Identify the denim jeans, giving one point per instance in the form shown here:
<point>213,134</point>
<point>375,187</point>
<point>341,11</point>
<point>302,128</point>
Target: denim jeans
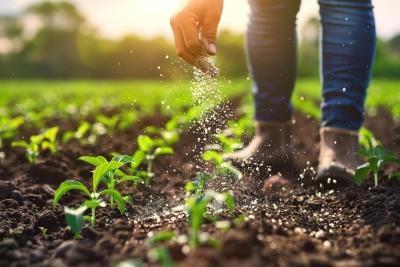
<point>347,48</point>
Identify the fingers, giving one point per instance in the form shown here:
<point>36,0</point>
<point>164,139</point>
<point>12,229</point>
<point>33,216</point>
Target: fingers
<point>209,34</point>
<point>181,49</point>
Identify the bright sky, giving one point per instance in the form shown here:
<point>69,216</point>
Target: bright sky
<point>150,18</point>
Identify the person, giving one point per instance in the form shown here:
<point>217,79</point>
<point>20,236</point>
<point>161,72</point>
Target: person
<point>347,48</point>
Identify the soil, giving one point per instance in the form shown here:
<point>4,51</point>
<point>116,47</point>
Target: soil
<point>301,225</point>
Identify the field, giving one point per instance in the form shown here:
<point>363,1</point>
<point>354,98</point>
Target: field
<point>191,208</point>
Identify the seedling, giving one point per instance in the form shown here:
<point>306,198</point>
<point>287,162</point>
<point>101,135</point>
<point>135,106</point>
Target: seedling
<point>127,119</point>
<point>149,152</point>
<point>161,255</point>
<point>8,127</point>
<point>241,127</point>
<point>50,141</point>
<point>98,174</point>
<point>79,134</point>
<point>222,168</point>
<point>32,148</point>
<point>376,156</point>
<point>44,231</point>
<point>167,137</point>
<point>196,206</point>
<point>366,138</point>
<point>110,178</point>
<point>110,123</point>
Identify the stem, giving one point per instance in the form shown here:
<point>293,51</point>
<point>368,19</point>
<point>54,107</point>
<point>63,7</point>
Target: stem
<point>149,173</point>
<point>112,202</point>
<point>93,216</point>
<point>376,178</point>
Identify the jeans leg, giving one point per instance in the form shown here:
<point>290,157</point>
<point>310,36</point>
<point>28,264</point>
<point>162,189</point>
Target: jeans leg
<point>347,48</point>
<point>271,57</point>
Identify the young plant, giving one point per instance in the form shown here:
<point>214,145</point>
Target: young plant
<point>196,206</point>
<point>79,134</point>
<point>75,217</point>
<point>110,178</point>
<point>98,174</point>
<point>148,151</point>
<point>32,148</point>
<point>376,156</point>
<point>8,127</point>
<point>50,141</point>
<point>44,231</point>
<point>222,168</point>
<point>110,123</point>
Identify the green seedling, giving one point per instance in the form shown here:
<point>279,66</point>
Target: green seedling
<point>9,127</point>
<point>148,151</point>
<point>196,206</point>
<point>32,148</point>
<point>127,120</point>
<point>222,168</point>
<point>98,174</point>
<point>167,137</point>
<point>199,183</point>
<point>366,138</point>
<point>79,134</point>
<point>44,231</point>
<point>376,156</point>
<point>75,217</point>
<point>244,126</point>
<point>110,123</point>
<point>110,178</point>
<point>50,141</point>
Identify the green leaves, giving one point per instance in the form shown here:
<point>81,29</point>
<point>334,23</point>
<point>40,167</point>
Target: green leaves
<point>213,155</point>
<point>117,196</point>
<point>138,157</point>
<point>102,170</point>
<point>163,150</point>
<point>65,187</point>
<point>131,178</point>
<point>74,218</point>
<point>145,143</point>
<point>376,156</point>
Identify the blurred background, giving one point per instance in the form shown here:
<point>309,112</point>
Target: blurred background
<point>131,39</point>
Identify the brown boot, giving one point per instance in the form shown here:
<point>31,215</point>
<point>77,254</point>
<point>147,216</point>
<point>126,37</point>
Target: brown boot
<point>270,145</point>
<point>337,162</point>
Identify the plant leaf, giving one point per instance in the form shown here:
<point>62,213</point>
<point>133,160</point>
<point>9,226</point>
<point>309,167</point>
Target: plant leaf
<point>92,160</point>
<point>145,143</point>
<point>120,173</point>
<point>163,150</point>
<point>102,159</point>
<point>138,157</point>
<point>128,199</point>
<point>361,173</point>
<point>392,159</point>
<point>189,187</point>
<point>74,218</point>
<point>20,143</point>
<point>363,152</point>
<point>123,158</point>
<point>117,196</point>
<point>131,178</point>
<point>229,201</point>
<point>101,170</point>
<point>374,164</point>
<point>213,155</point>
<point>66,186</point>
<point>92,203</point>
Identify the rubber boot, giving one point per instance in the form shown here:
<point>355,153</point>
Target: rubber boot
<point>270,145</point>
<point>337,161</point>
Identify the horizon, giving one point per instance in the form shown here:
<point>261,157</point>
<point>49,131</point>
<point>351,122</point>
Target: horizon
<point>114,21</point>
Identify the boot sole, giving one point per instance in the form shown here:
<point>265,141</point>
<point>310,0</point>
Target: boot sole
<point>334,176</point>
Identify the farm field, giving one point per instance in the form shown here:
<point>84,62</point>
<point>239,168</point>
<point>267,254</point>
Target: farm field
<point>172,158</point>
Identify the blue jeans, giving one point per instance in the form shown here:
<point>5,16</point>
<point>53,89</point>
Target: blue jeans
<point>347,49</point>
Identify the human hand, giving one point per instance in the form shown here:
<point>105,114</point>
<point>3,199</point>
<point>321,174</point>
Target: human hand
<point>186,22</point>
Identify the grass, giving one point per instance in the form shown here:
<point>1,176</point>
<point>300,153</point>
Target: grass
<point>149,93</point>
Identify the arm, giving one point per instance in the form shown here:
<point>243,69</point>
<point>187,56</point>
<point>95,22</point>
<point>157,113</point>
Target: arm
<point>186,22</point>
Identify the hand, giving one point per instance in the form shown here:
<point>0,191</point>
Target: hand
<point>186,22</point>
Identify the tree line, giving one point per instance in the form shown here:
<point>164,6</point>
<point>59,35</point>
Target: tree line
<point>65,47</point>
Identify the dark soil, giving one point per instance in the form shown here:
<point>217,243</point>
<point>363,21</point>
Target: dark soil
<point>296,226</point>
